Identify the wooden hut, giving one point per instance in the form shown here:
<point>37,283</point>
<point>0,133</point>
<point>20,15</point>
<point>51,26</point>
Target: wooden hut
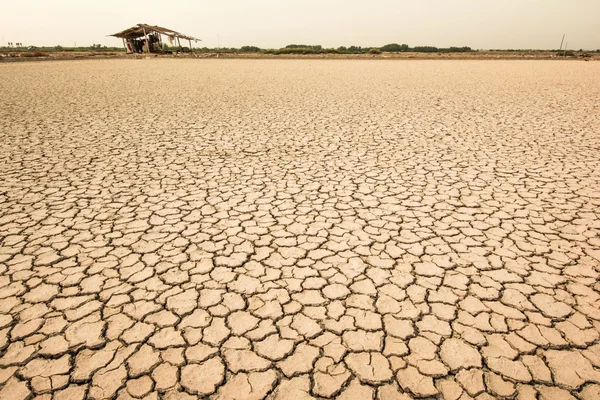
<point>144,38</point>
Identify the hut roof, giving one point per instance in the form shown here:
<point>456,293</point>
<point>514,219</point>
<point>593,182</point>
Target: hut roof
<point>138,31</point>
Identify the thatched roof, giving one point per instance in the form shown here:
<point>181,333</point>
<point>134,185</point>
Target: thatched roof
<point>138,31</point>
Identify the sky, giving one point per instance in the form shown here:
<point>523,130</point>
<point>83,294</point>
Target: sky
<point>480,24</point>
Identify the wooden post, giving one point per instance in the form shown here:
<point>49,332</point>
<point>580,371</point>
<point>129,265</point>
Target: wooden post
<point>147,42</point>
<point>190,41</point>
<point>561,42</point>
<point>125,45</point>
<point>178,43</point>
<point>565,53</point>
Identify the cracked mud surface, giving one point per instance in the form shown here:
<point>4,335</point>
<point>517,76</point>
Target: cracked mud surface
<point>174,229</point>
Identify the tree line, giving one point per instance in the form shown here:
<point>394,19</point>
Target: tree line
<point>294,49</point>
<point>318,49</point>
<point>289,49</point>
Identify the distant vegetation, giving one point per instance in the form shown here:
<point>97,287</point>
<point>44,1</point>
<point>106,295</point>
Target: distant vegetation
<point>398,48</point>
<point>289,49</point>
<point>94,47</point>
<point>550,51</point>
<point>301,49</point>
<point>250,49</point>
<point>391,48</point>
<point>395,48</point>
<point>318,49</point>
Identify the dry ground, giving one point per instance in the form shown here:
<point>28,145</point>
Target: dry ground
<point>14,56</point>
<point>286,229</point>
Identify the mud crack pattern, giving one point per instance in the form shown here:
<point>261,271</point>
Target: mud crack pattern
<point>178,229</point>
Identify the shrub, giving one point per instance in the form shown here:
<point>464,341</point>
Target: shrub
<point>395,48</point>
<point>425,49</point>
<point>295,50</point>
<point>463,49</point>
<point>358,49</point>
<point>314,48</point>
<point>250,49</point>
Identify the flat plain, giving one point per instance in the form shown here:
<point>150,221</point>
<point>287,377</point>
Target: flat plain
<point>290,229</point>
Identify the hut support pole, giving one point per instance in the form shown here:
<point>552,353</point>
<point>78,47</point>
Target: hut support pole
<point>124,45</point>
<point>147,41</point>
<point>190,41</point>
<point>179,44</point>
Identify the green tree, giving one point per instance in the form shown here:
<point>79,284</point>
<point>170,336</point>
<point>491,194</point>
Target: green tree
<point>395,48</point>
<point>250,49</point>
<point>356,49</point>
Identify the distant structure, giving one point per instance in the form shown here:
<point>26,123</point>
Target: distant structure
<point>144,38</point>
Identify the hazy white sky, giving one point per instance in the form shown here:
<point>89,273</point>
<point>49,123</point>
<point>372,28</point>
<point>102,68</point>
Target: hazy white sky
<point>275,23</point>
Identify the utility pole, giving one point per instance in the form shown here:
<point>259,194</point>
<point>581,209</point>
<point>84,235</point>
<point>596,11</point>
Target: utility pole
<point>561,42</point>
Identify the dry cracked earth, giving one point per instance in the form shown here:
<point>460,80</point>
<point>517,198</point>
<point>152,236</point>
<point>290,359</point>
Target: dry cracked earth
<point>181,229</point>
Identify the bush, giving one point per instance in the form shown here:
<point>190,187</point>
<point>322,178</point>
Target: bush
<point>374,51</point>
<point>302,49</point>
<point>250,49</point>
<point>295,50</point>
<point>314,48</point>
<point>353,50</point>
<point>463,49</point>
<point>425,49</point>
<point>358,49</point>
<point>395,48</point>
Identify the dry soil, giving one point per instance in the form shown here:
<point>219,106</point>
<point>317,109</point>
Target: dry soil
<point>291,229</point>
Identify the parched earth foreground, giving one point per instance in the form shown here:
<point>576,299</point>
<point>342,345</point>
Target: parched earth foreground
<point>176,229</point>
